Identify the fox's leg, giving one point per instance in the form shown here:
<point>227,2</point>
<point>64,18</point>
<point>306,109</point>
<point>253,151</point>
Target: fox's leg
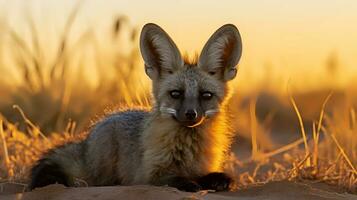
<point>215,181</point>
<point>172,180</point>
<point>183,184</point>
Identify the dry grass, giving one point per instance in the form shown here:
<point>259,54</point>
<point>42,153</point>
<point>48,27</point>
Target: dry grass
<point>332,160</point>
<point>60,103</point>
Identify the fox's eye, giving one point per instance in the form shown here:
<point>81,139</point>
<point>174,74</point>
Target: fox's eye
<point>206,95</point>
<point>175,94</point>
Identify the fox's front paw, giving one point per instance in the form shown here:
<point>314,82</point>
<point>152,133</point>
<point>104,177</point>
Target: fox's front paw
<point>215,181</point>
<point>185,184</point>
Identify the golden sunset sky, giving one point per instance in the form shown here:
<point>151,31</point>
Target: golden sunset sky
<point>294,37</point>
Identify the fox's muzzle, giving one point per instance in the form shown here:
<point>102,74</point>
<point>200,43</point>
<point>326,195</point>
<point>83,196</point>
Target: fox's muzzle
<point>190,117</point>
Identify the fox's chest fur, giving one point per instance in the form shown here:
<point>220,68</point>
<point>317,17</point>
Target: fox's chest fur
<point>169,148</point>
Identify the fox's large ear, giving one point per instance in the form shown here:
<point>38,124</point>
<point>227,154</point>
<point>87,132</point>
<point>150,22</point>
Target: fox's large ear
<point>160,53</point>
<point>222,53</point>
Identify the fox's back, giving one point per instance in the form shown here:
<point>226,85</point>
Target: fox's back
<point>114,140</point>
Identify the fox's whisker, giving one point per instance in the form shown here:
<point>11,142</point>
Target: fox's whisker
<point>166,110</point>
<point>211,112</point>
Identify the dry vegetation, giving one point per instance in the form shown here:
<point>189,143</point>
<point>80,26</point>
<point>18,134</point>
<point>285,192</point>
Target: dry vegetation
<point>302,135</point>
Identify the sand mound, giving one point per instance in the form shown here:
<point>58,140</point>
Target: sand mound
<point>270,191</point>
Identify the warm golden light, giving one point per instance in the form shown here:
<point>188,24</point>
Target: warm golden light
<point>289,39</point>
<point>291,113</point>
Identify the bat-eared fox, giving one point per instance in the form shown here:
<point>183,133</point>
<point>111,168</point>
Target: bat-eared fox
<point>182,141</point>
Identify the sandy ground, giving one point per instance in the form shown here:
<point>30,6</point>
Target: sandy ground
<point>275,190</point>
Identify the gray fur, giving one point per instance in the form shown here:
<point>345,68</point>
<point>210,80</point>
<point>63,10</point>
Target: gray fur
<point>115,140</point>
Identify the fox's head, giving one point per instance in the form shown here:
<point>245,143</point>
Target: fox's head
<point>190,92</point>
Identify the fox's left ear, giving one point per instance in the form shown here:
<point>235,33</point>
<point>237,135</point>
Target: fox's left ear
<point>222,53</point>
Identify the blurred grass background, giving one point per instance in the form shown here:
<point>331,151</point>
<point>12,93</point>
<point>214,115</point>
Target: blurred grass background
<point>60,89</point>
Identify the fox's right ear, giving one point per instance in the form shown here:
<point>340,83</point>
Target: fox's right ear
<point>160,53</point>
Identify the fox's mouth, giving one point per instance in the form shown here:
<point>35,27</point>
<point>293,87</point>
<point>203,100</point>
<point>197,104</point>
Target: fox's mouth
<point>190,124</point>
<point>196,123</point>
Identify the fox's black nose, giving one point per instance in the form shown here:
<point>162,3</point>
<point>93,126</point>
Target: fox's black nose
<point>191,114</point>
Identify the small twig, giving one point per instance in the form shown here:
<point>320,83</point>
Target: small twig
<point>253,129</point>
<point>344,154</point>
<point>29,123</point>
<point>322,113</point>
<point>307,151</point>
<point>6,153</point>
<point>299,165</point>
<point>284,148</point>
